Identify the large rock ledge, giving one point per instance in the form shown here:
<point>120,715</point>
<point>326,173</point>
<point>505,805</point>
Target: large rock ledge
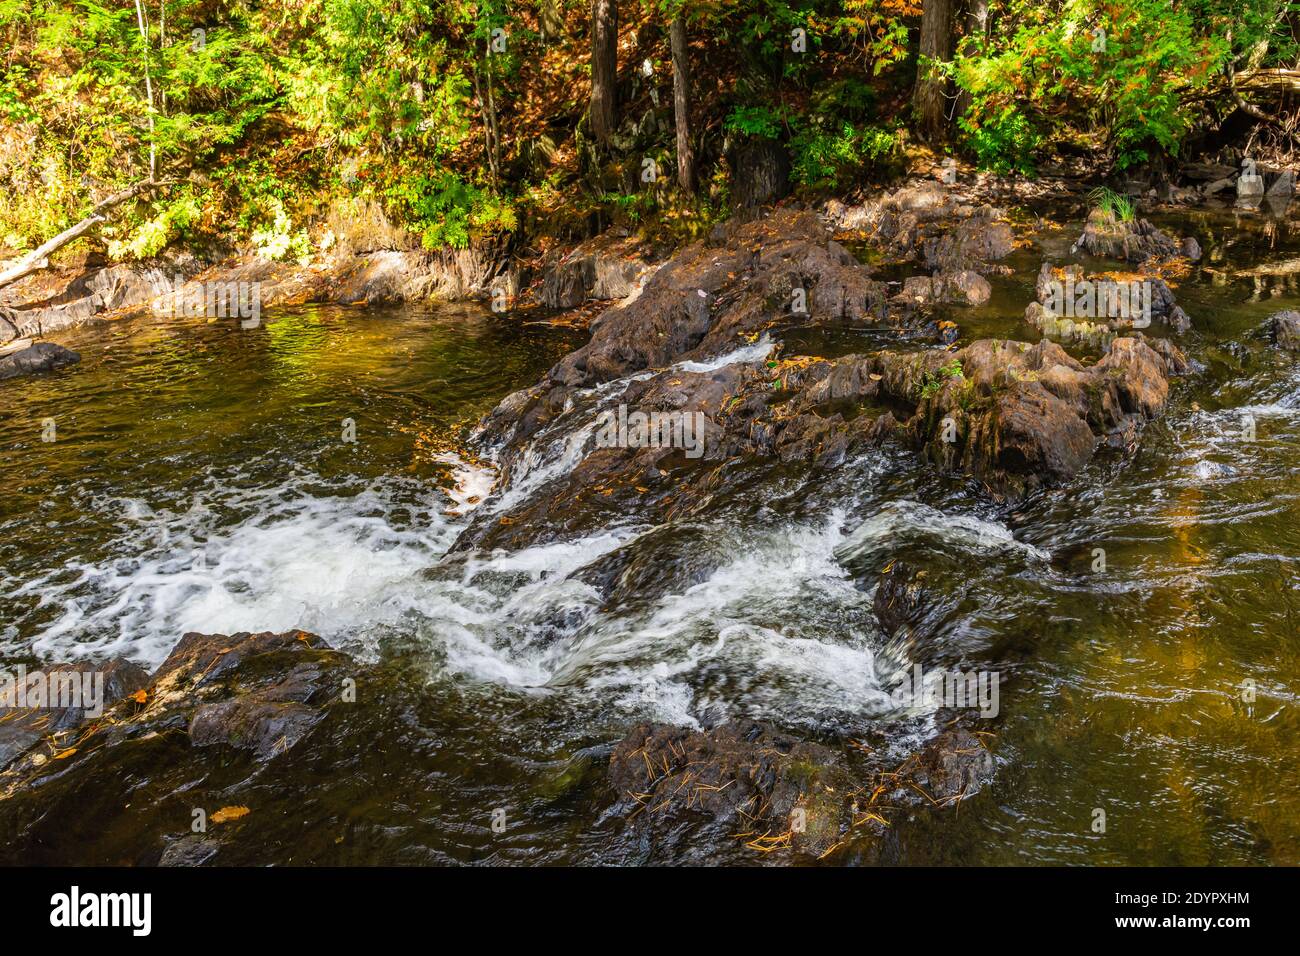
<point>1015,417</point>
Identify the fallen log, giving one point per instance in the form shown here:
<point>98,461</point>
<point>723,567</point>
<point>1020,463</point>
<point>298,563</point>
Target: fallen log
<point>39,259</point>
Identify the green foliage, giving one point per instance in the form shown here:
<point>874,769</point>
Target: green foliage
<point>758,121</point>
<point>447,211</point>
<point>933,382</point>
<point>1123,71</point>
<point>1119,208</point>
<point>827,158</point>
<point>172,220</point>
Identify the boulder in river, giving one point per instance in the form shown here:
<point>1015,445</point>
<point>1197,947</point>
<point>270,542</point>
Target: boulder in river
<point>1284,328</point>
<point>1135,241</point>
<point>956,288</point>
<point>40,357</point>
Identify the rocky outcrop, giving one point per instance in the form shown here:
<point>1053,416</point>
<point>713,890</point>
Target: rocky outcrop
<point>1071,300</point>
<point>1284,329</point>
<point>742,780</point>
<point>386,276</point>
<point>927,222</point>
<point>110,289</point>
<point>713,294</point>
<point>954,288</point>
<point>1019,417</point>
<point>1135,241</point>
<point>611,266</point>
<point>40,357</point>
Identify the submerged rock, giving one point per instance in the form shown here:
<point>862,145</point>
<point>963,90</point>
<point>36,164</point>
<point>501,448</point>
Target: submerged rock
<point>682,793</point>
<point>40,357</point>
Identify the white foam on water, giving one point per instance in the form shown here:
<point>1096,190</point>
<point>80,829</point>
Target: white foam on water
<point>473,483</point>
<point>716,647</point>
<point>336,566</point>
<point>755,352</point>
<point>879,532</point>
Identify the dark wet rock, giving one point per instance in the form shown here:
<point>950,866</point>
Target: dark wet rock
<point>254,692</point>
<point>1284,328</point>
<point>953,766</point>
<point>928,222</point>
<point>1014,416</point>
<point>901,601</point>
<point>1219,185</point>
<point>204,724</point>
<point>1283,187</point>
<point>40,357</point>
<point>955,288</point>
<point>192,850</point>
<point>25,726</point>
<point>265,708</point>
<point>1071,299</point>
<point>607,267</point>
<point>1135,241</point>
<point>709,297</point>
<point>742,781</point>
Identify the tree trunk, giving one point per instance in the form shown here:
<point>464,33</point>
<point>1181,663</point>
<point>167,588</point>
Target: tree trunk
<point>39,258</point>
<point>977,25</point>
<point>148,85</point>
<point>760,173</point>
<point>928,99</point>
<point>682,107</point>
<point>604,67</point>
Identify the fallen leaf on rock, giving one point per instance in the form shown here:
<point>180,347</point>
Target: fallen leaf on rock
<point>230,813</point>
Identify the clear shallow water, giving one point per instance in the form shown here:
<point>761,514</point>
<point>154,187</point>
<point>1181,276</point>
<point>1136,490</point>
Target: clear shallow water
<point>200,482</point>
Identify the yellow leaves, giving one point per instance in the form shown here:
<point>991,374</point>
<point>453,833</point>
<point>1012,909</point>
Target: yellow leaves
<point>65,754</point>
<point>230,813</point>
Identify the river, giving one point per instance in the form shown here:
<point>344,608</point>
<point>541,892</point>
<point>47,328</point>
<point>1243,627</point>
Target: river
<point>203,477</point>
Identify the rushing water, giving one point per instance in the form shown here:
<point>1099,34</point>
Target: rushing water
<point>200,480</point>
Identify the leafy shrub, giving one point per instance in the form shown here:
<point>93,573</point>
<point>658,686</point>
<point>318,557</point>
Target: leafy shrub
<point>447,211</point>
<point>831,157</point>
